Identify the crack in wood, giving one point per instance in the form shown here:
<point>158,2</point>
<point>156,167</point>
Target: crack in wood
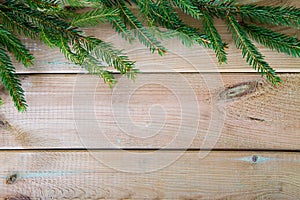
<point>256,119</point>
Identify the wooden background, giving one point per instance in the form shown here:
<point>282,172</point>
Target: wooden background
<point>80,139</point>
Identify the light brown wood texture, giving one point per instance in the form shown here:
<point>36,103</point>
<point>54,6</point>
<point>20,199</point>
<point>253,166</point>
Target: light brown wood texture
<point>111,175</point>
<point>144,136</point>
<point>189,110</point>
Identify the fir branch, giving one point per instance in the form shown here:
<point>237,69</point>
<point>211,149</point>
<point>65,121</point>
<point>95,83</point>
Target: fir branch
<point>187,7</point>
<point>79,3</point>
<point>15,46</point>
<point>10,81</point>
<point>66,50</point>
<point>117,24</point>
<point>42,4</point>
<point>273,40</point>
<point>249,50</point>
<point>113,57</point>
<point>60,33</point>
<point>215,37</point>
<point>121,28</point>
<point>20,25</point>
<point>94,66</point>
<point>94,17</point>
<point>47,39</point>
<point>140,31</point>
<point>277,15</point>
<point>50,23</point>
<point>217,8</point>
<point>164,14</point>
<point>112,3</point>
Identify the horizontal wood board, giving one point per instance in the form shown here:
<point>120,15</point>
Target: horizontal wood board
<point>178,58</point>
<point>125,175</point>
<point>172,111</point>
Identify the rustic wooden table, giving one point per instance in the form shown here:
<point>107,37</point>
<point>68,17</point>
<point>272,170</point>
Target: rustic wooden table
<point>80,139</point>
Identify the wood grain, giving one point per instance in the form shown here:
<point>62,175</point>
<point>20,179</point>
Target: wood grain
<point>220,111</point>
<point>89,175</point>
<point>163,110</point>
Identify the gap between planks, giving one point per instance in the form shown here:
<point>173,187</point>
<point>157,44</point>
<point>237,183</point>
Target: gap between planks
<point>147,149</point>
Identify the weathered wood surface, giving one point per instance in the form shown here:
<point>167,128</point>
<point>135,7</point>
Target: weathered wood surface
<point>112,175</point>
<point>227,111</point>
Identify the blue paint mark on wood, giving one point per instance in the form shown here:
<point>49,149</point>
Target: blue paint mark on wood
<point>58,63</point>
<point>256,159</point>
<point>45,174</point>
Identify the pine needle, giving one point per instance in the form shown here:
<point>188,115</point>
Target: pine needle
<point>11,82</point>
<point>250,51</point>
<point>94,17</point>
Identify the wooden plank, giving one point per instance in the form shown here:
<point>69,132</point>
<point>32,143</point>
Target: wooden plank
<point>220,111</point>
<point>112,175</point>
<point>178,58</point>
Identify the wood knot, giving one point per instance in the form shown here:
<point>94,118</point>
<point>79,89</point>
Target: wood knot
<point>254,158</point>
<point>11,179</point>
<point>18,197</point>
<point>238,90</point>
<point>2,124</point>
